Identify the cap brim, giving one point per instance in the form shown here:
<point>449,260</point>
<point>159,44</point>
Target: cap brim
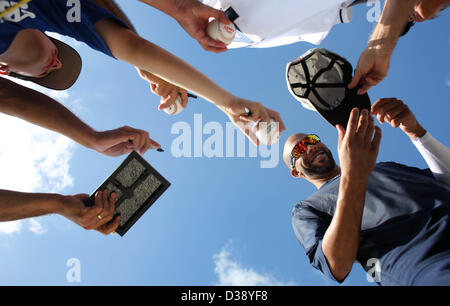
<point>64,77</point>
<point>341,114</point>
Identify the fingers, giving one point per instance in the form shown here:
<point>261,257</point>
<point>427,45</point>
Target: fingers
<point>352,124</point>
<point>376,140</point>
<point>140,141</point>
<point>248,131</point>
<point>212,45</point>
<point>276,116</point>
<point>154,88</point>
<point>109,227</point>
<point>363,123</point>
<point>162,89</point>
<point>184,97</point>
<point>341,132</point>
<point>380,104</point>
<point>356,79</point>
<point>364,88</point>
<point>391,110</point>
<point>218,14</point>
<point>258,112</point>
<point>360,126</point>
<point>167,101</point>
<point>101,213</point>
<point>370,130</point>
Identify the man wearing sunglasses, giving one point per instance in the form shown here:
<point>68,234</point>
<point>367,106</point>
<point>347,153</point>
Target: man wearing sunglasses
<point>393,219</point>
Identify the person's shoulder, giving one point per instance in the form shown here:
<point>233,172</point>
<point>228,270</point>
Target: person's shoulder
<point>394,166</point>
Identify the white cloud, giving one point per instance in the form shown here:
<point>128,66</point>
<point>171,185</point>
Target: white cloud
<point>231,273</point>
<point>33,159</point>
<point>10,228</point>
<point>36,227</point>
<point>447,82</point>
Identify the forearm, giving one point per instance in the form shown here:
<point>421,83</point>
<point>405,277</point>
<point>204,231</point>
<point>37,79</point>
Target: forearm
<point>150,77</point>
<point>341,240</point>
<point>19,205</point>
<point>392,21</point>
<point>179,73</point>
<point>39,109</point>
<point>128,47</point>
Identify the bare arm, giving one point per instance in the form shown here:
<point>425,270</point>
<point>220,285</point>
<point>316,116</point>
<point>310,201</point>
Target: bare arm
<point>358,150</point>
<point>193,16</point>
<point>39,109</point>
<point>129,47</point>
<point>20,205</point>
<point>373,64</point>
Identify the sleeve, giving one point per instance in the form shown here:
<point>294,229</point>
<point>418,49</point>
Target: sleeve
<point>7,35</point>
<point>436,155</point>
<point>309,227</point>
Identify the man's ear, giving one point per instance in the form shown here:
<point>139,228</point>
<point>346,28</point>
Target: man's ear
<point>4,69</point>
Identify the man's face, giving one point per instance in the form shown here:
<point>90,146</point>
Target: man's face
<point>31,53</point>
<point>316,161</point>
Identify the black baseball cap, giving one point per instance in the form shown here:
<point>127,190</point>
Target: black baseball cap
<point>62,78</point>
<point>318,79</point>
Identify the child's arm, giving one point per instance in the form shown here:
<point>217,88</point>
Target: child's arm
<point>127,46</point>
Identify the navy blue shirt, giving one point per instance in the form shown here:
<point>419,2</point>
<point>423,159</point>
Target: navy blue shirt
<point>52,16</point>
<point>405,226</point>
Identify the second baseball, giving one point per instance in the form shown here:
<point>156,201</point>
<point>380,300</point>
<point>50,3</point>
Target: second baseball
<point>221,32</point>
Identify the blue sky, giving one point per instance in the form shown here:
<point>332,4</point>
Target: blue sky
<point>223,220</point>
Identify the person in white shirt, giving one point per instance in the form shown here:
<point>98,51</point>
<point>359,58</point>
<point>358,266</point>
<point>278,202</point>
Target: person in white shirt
<point>268,23</point>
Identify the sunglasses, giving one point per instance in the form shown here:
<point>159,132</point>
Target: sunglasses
<point>300,148</point>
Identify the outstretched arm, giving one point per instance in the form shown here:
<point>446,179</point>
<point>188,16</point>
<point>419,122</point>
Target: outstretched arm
<point>358,149</point>
<point>39,109</point>
<point>20,205</point>
<point>397,114</point>
<point>193,16</point>
<point>168,92</point>
<point>127,46</point>
<point>373,64</point>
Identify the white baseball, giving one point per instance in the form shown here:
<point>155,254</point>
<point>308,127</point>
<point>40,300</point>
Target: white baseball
<point>174,108</point>
<point>221,32</point>
<point>268,133</point>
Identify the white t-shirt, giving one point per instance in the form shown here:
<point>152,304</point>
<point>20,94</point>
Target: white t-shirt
<point>270,23</point>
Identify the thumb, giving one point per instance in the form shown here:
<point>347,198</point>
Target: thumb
<point>356,79</point>
<point>341,132</point>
